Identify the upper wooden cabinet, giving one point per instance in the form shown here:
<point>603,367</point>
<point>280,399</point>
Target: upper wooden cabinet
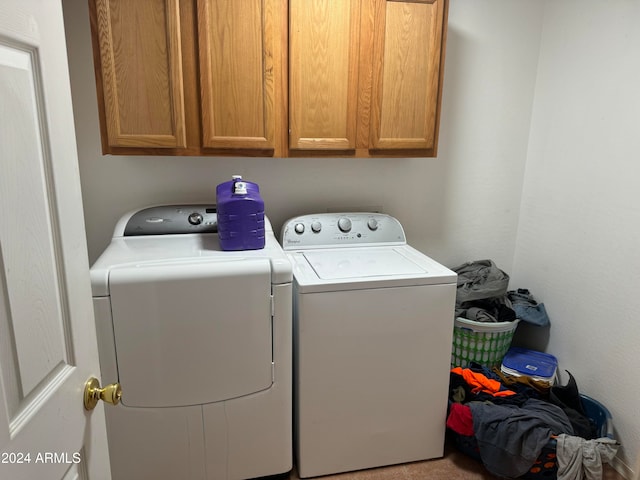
<point>239,72</point>
<point>366,76</point>
<point>233,77</point>
<point>190,77</point>
<point>324,40</point>
<point>140,65</point>
<point>408,56</point>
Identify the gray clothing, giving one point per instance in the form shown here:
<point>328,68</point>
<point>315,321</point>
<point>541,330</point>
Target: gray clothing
<point>488,310</point>
<point>510,438</point>
<point>579,458</point>
<point>479,280</point>
<point>482,292</point>
<point>476,314</point>
<point>527,308</point>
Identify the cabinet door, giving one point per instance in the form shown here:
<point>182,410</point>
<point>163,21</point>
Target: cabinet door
<point>407,74</point>
<point>139,72</point>
<point>239,47</point>
<point>323,74</point>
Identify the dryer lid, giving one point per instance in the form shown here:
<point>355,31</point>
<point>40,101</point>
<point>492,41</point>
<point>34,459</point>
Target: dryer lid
<point>358,263</point>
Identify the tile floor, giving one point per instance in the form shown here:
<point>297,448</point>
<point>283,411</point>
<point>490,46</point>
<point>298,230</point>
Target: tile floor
<point>453,466</point>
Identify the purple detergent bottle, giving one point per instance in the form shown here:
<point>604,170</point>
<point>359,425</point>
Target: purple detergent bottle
<point>240,215</point>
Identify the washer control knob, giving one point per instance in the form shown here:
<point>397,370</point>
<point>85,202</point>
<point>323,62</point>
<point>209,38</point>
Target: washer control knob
<point>316,227</point>
<point>372,224</point>
<point>344,224</point>
<point>195,218</point>
<point>299,228</point>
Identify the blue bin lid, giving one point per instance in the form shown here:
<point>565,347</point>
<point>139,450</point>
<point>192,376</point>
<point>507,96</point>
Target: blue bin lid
<point>530,362</point>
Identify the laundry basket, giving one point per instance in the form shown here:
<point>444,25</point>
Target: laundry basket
<point>482,342</point>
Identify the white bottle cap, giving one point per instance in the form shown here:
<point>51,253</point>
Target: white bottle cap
<point>236,177</point>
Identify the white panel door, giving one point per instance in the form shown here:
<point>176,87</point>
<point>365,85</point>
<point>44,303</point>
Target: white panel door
<point>47,331</point>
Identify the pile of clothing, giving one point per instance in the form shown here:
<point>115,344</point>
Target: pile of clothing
<point>482,296</point>
<point>512,424</point>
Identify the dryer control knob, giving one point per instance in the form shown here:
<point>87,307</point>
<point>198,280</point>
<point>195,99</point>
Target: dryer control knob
<point>344,224</point>
<point>316,227</point>
<point>195,218</point>
<point>372,224</point>
<point>299,228</point>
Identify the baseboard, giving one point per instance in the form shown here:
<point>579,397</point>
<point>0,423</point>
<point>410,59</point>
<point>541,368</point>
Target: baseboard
<point>623,469</point>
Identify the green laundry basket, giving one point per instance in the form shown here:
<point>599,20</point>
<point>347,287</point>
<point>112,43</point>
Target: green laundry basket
<point>482,342</point>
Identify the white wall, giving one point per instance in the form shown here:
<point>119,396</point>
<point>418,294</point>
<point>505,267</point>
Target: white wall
<point>578,245</point>
<point>460,206</point>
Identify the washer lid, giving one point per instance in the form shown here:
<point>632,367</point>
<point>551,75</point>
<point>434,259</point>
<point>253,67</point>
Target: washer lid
<point>351,268</point>
<point>366,262</point>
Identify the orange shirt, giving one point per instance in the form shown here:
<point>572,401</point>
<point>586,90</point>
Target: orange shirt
<point>481,383</point>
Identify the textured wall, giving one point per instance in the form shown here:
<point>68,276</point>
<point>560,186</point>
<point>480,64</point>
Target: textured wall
<point>579,234</point>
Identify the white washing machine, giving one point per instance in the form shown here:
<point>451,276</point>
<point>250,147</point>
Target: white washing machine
<point>200,341</point>
<point>373,322</point>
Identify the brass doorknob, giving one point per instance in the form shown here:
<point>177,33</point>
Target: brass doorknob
<point>92,393</point>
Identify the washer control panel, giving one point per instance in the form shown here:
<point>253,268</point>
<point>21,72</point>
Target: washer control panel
<point>330,230</point>
<point>171,220</point>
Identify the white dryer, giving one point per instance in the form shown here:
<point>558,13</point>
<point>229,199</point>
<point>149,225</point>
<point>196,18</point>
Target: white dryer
<point>200,341</point>
<point>373,322</point>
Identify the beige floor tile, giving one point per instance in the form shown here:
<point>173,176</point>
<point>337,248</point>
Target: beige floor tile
<point>453,466</point>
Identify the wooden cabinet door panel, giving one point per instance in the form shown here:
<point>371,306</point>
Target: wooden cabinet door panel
<point>239,61</point>
<point>406,74</point>
<point>323,74</point>
<point>141,72</point>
